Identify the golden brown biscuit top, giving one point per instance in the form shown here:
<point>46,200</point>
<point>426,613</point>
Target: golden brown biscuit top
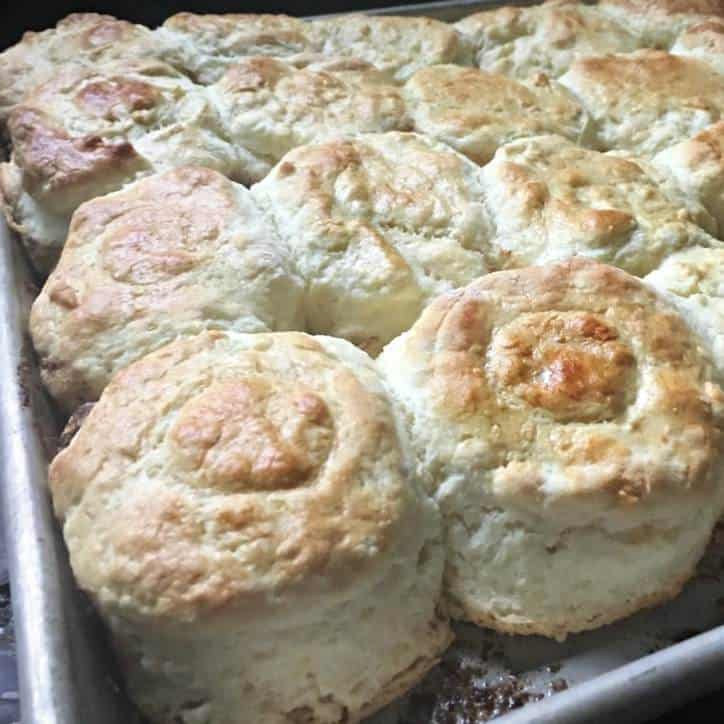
<point>52,159</point>
<point>562,381</point>
<point>150,233</point>
<point>476,111</point>
<point>234,28</point>
<point>110,97</point>
<point>79,39</point>
<point>243,34</point>
<point>91,128</point>
<point>172,254</point>
<point>252,436</point>
<point>552,199</point>
<point>397,46</point>
<point>225,470</point>
<point>647,72</point>
<point>572,365</point>
<point>647,100</point>
<point>103,97</point>
<point>206,45</point>
<point>520,42</point>
<point>145,243</point>
<point>97,31</point>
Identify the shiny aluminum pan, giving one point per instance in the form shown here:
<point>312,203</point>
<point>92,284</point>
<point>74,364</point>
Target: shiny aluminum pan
<point>66,674</point>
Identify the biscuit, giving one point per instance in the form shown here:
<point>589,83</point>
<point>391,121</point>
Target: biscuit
<point>697,167</point>
<point>174,254</point>
<point>646,101</point>
<point>269,107</point>
<point>521,42</point>
<point>567,423</point>
<point>397,46</point>
<point>205,46</point>
<point>88,131</point>
<point>551,199</point>
<point>378,224</point>
<point>657,22</point>
<point>703,41</point>
<point>79,39</point>
<point>41,232</point>
<point>695,280</point>
<point>239,509</point>
<point>475,111</point>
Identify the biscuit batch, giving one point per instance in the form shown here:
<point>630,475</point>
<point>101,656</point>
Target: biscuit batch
<point>385,322</point>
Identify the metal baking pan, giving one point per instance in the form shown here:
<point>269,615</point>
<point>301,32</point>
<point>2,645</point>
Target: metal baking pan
<point>632,670</point>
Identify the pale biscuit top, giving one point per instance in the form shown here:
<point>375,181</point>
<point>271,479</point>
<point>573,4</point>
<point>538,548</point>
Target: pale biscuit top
<point>519,42</point>
<point>269,107</point>
<point>88,130</point>
<point>648,100</point>
<point>695,279</point>
<point>703,41</point>
<point>171,255</point>
<point>657,22</point>
<point>398,46</point>
<point>696,165</point>
<point>81,38</point>
<point>206,45</point>
<point>239,475</point>
<point>565,389</point>
<point>377,224</point>
<point>551,199</point>
<point>475,111</point>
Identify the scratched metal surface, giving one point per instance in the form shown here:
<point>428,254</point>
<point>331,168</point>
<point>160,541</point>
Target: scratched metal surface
<point>631,670</point>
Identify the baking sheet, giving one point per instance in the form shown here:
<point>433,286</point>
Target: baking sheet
<point>631,670</point>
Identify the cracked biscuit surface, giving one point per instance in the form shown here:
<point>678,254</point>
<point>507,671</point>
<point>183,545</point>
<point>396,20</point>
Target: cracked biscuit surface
<point>240,509</point>
<point>90,130</point>
<point>175,254</point>
<point>397,46</point>
<point>521,42</point>
<point>268,107</point>
<point>377,224</point>
<point>568,424</point>
<point>550,199</point>
<point>85,39</point>
<point>207,45</point>
<point>645,101</point>
<point>476,111</point>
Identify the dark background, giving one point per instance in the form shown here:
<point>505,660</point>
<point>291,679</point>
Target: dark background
<point>21,16</point>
